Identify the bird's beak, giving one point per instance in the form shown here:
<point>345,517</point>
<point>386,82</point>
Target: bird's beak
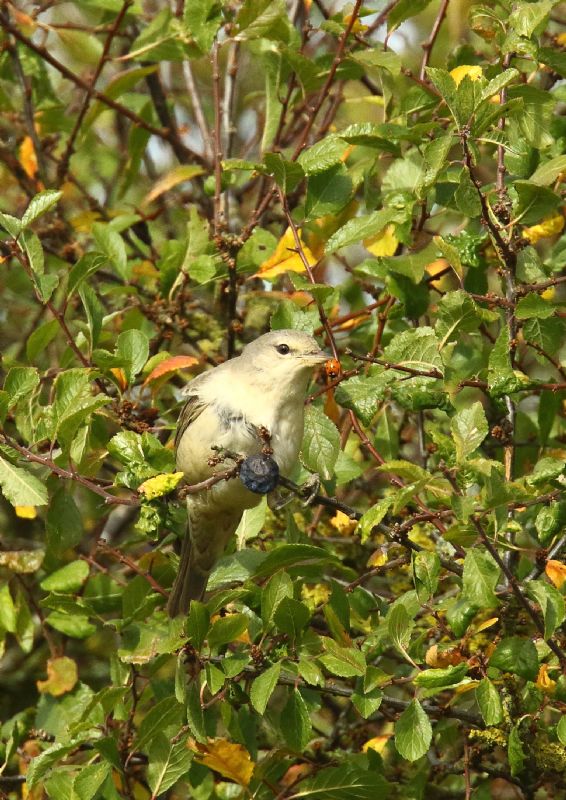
<point>316,357</point>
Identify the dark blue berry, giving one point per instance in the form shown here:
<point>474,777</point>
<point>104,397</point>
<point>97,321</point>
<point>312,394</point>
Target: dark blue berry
<point>259,474</point>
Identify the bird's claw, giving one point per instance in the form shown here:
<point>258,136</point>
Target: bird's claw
<point>309,489</point>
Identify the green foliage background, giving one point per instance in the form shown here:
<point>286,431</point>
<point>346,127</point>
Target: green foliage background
<point>151,159</point>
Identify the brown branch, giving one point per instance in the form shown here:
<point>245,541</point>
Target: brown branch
<point>198,110</point>
<point>428,45</point>
<point>298,244</point>
<point>69,150</point>
<point>111,551</point>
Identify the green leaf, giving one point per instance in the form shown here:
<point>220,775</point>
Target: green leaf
<point>278,587</point>
<point>533,203</point>
<point>368,703</point>
<point>112,245</point>
<point>202,19</point>
<point>163,714</point>
<point>64,523</point>
<point>12,225</point>
<point>515,751</point>
<point>346,782</point>
<point>547,172</point>
<point>551,603</point>
<point>517,655</point>
<point>291,616</point>
<point>263,687</point>
<point>290,556</point>
<point>259,18</point>
<point>380,58</point>
<point>40,204</point>
<point>500,376</point>
<point>287,174</point>
<point>417,348</point>
<point>321,156</point>
<point>426,572</point>
<point>481,575</point>
<point>489,702</point>
<point>20,487</point>
<point>41,338</point>
<point>168,762</point>
<point>20,382</point>
<point>467,197</point>
<point>440,678</point>
<point>8,613</point>
<point>405,9</point>
<point>413,732</point>
<point>561,730</point>
<point>359,228</point>
<point>321,443</point>
<point>295,722</point>
<point>469,428</point>
<point>67,579</point>
<point>373,517</point>
<point>227,629</point>
<point>526,17</point>
<point>289,315</point>
<point>133,348</point>
<point>328,192</point>
<point>363,395</point>
<point>546,333</point>
<point>533,305</point>
<point>346,662</point>
<point>399,627</point>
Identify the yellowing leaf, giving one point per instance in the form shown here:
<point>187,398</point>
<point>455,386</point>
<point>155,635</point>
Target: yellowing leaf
<point>83,223</point>
<point>357,27</point>
<point>487,624</point>
<point>548,227</point>
<point>26,512</point>
<point>120,376</point>
<point>556,571</point>
<point>436,266</point>
<point>561,39</point>
<point>169,365</point>
<point>383,243</point>
<point>177,175</point>
<point>315,595</point>
<point>377,743</point>
<point>285,259</point>
<point>544,683</point>
<point>22,561</point>
<point>28,159</point>
<point>229,759</point>
<point>62,676</point>
<point>473,72</point>
<point>343,523</point>
<point>160,484</point>
<point>378,558</point>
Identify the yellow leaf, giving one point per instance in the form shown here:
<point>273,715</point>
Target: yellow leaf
<point>83,223</point>
<point>160,484</point>
<point>28,159</point>
<point>284,259</point>
<point>383,243</point>
<point>378,558</point>
<point>544,683</point>
<point>343,523</point>
<point>548,227</point>
<point>357,27</point>
<point>561,39</point>
<point>177,175</point>
<point>377,743</point>
<point>556,571</point>
<point>62,676</point>
<point>26,512</point>
<point>487,624</point>
<point>315,595</point>
<point>436,266</point>
<point>229,759</point>
<point>473,72</point>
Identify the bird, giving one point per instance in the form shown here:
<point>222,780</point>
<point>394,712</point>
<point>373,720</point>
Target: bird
<point>262,389</point>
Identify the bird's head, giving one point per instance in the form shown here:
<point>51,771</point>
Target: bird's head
<point>285,356</point>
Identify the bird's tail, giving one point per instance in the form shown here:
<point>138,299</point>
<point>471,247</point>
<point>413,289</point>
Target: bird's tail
<point>204,542</point>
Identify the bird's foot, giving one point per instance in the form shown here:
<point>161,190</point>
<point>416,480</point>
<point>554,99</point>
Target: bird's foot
<point>309,489</point>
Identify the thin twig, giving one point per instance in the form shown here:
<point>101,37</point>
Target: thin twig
<point>66,157</point>
<point>200,118</point>
<point>430,42</point>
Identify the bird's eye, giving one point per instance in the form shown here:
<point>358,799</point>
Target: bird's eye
<point>283,349</point>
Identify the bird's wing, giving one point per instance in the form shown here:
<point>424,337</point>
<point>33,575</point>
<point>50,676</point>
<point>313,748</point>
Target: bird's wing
<point>193,407</point>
